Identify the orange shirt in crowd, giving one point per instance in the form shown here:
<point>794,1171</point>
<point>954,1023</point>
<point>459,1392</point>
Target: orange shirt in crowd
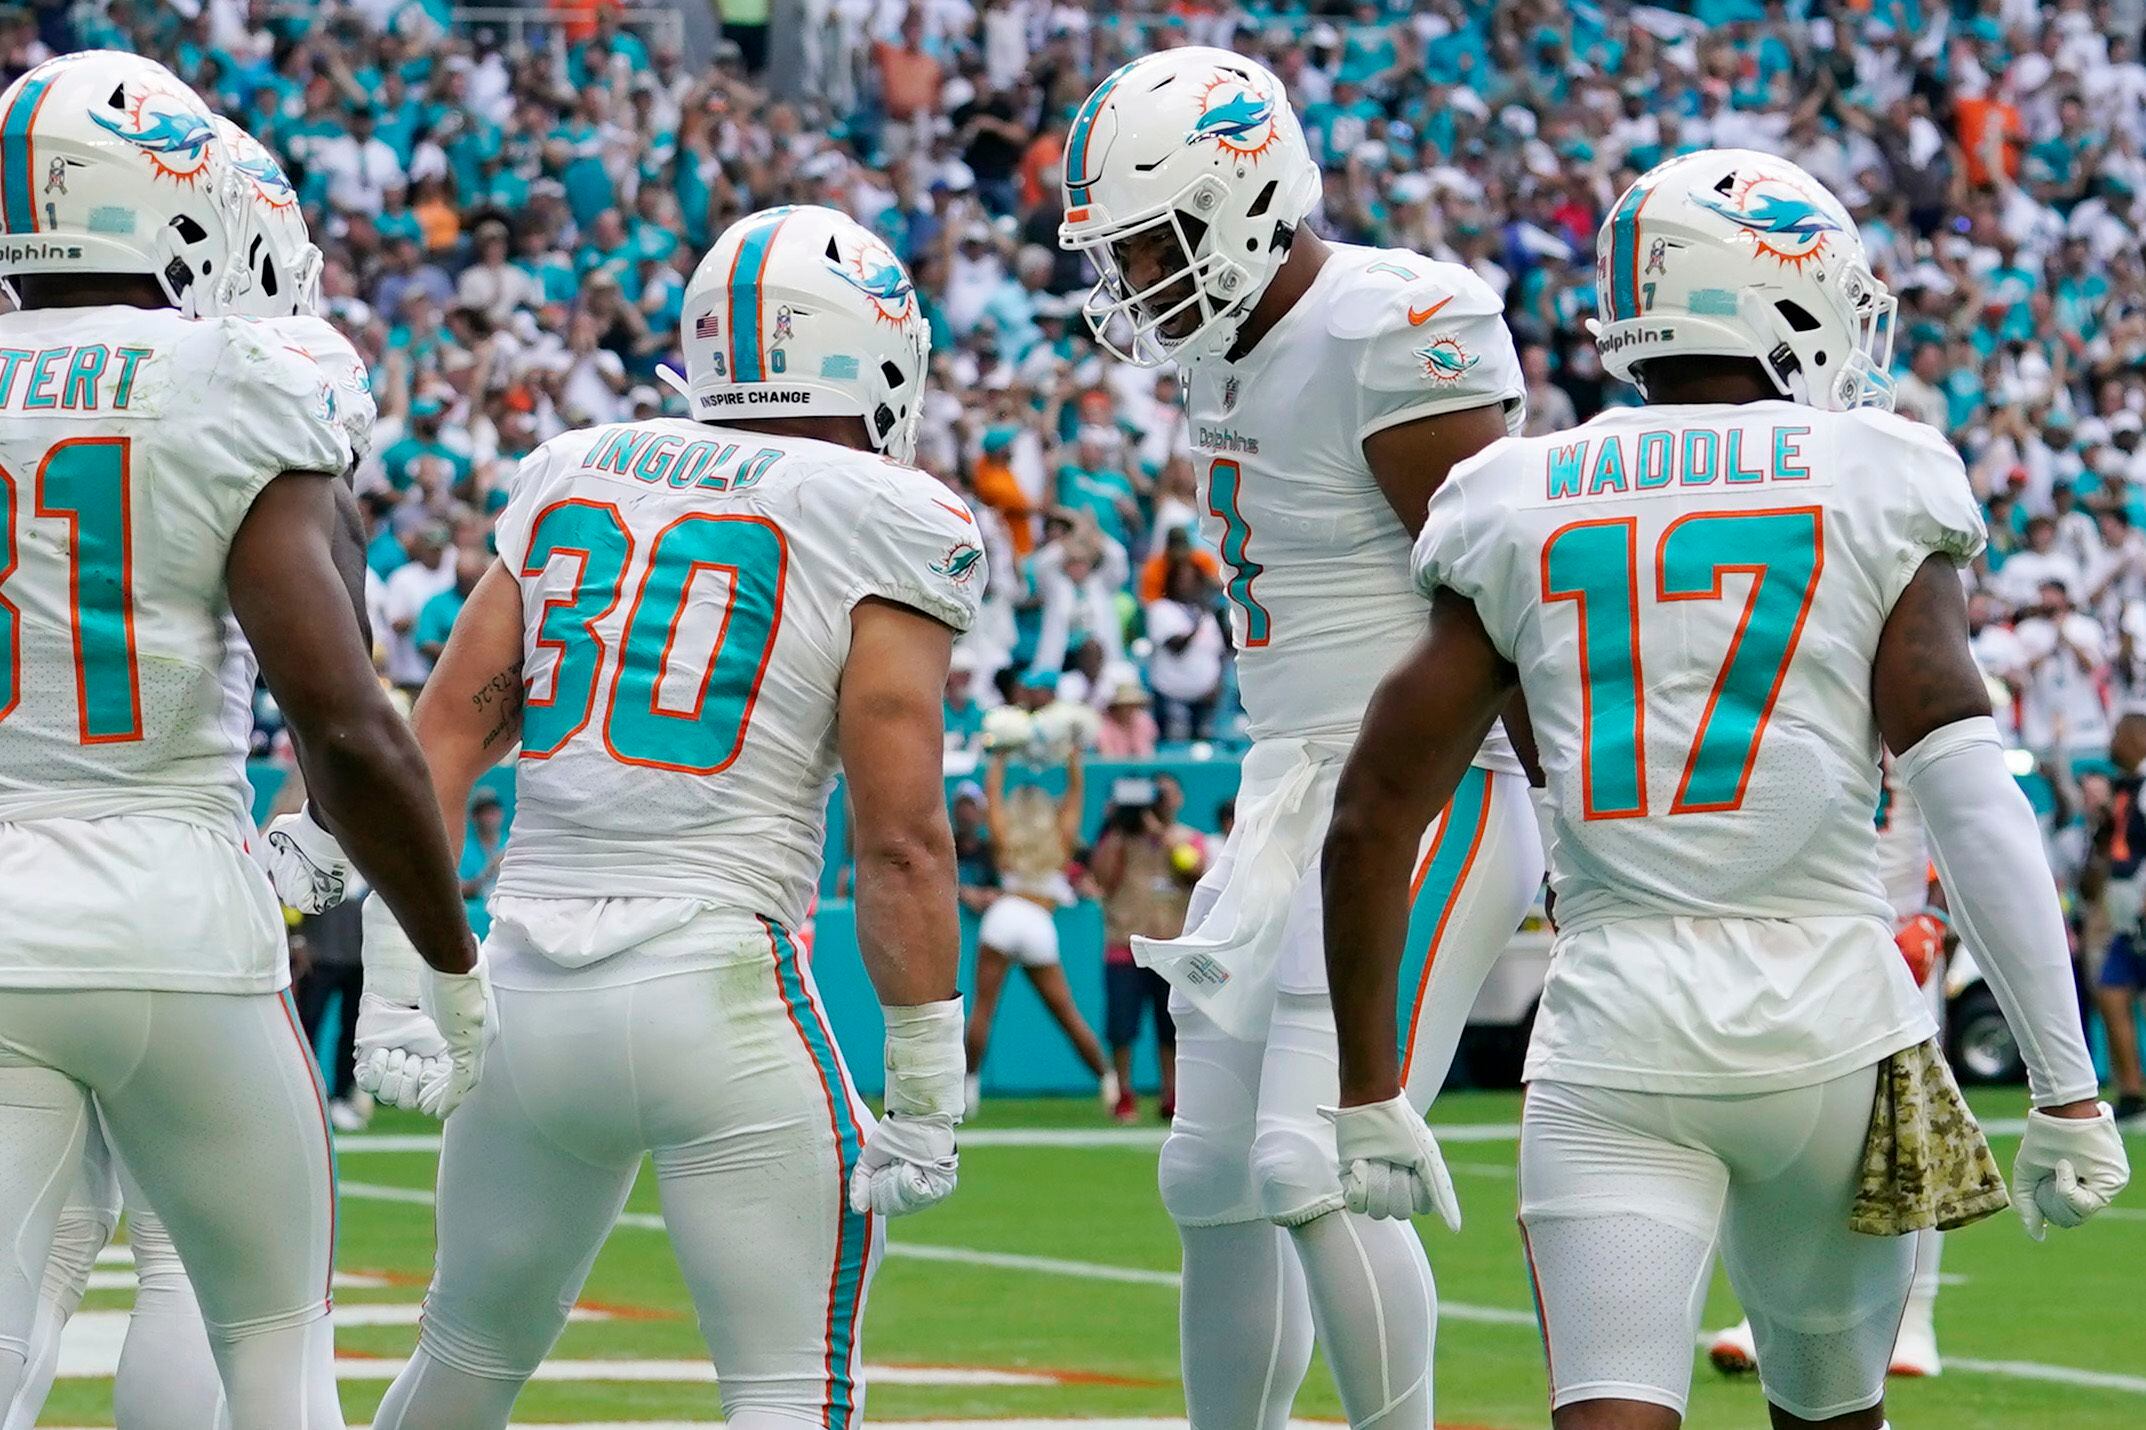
<point>1156,570</point>
<point>1979,118</point>
<point>998,488</point>
<point>1041,159</point>
<point>908,81</point>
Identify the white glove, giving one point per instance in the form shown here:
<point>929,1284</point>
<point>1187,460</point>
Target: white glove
<point>304,863</point>
<point>909,1161</point>
<point>1390,1164</point>
<point>460,1007</point>
<point>2068,1168</point>
<point>403,1058</point>
<point>908,1164</point>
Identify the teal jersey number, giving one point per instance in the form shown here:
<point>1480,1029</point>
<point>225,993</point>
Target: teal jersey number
<point>595,535</point>
<point>85,482</point>
<point>705,736</point>
<point>1225,480</point>
<point>1595,565</point>
<point>1696,552</point>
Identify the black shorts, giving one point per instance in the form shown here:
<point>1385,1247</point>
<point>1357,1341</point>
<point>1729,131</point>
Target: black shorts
<point>1128,988</point>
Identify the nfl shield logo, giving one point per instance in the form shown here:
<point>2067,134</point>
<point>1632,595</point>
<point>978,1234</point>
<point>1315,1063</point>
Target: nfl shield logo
<point>1229,394</point>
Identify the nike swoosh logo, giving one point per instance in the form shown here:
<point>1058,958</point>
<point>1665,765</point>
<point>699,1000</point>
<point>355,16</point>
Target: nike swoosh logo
<point>1417,317</point>
<point>949,506</point>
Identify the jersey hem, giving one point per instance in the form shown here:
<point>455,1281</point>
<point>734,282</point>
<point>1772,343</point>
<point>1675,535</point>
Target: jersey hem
<point>1719,1082</point>
<point>123,980</point>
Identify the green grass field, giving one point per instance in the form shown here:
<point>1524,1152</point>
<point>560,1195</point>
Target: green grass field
<point>1044,1291</point>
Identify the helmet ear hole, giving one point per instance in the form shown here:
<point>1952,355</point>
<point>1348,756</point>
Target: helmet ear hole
<point>1798,317</point>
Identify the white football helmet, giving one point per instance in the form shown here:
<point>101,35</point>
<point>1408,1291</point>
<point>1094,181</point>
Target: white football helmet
<point>279,265</point>
<point>110,164</point>
<point>1742,254</point>
<point>1201,145</point>
<point>803,312</point>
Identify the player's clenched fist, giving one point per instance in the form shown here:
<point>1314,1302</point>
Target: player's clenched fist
<point>2068,1169</point>
<point>1390,1164</point>
<point>420,1033</point>
<point>909,1161</point>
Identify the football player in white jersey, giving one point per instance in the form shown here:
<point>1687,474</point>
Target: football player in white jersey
<point>174,479</point>
<point>166,1375</point>
<point>1330,388</point>
<point>689,622</point>
<point>1716,604</point>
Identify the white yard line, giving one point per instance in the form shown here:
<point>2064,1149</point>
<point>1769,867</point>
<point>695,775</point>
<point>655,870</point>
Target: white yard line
<point>908,1425</point>
<point>1458,1311</point>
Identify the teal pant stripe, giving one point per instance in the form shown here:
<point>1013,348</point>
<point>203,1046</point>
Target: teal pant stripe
<point>1435,893</point>
<point>853,1245</point>
<point>15,155</point>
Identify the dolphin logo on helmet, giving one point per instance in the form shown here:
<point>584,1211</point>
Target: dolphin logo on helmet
<point>163,134</point>
<point>882,281</point>
<point>1235,118</point>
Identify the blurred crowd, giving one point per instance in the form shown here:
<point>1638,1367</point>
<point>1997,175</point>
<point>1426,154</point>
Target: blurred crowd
<point>509,215</point>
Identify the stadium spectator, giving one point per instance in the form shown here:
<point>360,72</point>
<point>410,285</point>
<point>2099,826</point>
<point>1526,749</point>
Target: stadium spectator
<point>1144,865</point>
<point>328,973</point>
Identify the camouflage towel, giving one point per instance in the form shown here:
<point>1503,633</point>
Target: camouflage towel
<point>1925,1160</point>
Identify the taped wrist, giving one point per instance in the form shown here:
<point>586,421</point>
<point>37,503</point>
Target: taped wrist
<point>925,1064</point>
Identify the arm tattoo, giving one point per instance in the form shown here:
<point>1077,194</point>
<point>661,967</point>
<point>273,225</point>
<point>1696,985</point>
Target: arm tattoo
<point>505,691</point>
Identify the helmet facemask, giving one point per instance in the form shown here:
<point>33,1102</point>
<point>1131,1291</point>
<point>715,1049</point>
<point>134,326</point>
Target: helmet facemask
<point>1202,281</point>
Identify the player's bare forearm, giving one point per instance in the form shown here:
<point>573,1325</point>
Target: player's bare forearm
<point>362,766</point>
<point>1421,731</point>
<point>891,732</point>
<point>470,713</point>
<point>1410,461</point>
<point>1924,676</point>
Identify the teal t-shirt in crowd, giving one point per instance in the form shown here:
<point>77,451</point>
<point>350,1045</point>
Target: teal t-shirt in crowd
<point>400,461</point>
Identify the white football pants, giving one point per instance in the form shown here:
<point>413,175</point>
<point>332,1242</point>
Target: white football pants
<point>214,1102</point>
<point>731,1078</point>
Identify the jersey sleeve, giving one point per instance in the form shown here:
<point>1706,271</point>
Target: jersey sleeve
<point>1925,506</point>
<point>1435,345</point>
<point>1463,546</point>
<point>350,384</point>
<point>532,480</point>
<point>273,413</point>
<point>917,545</point>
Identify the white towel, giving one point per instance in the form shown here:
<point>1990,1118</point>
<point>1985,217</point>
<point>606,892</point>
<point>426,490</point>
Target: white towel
<point>1226,965</point>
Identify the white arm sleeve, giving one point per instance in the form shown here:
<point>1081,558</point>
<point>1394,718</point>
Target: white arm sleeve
<point>2004,900</point>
